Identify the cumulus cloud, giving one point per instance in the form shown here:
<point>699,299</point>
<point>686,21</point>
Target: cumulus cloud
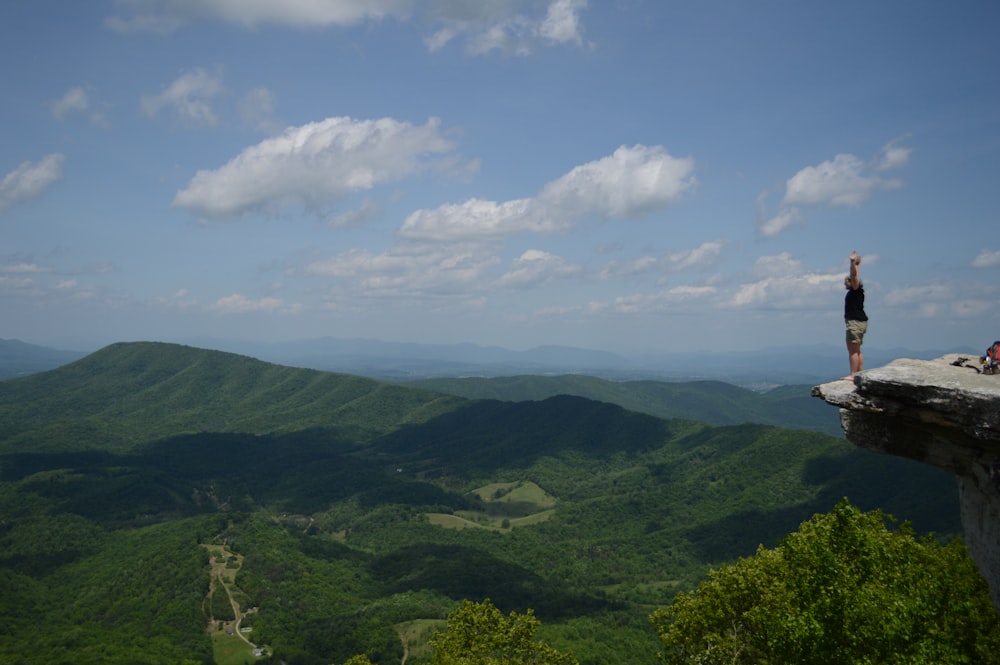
<point>188,96</point>
<point>511,26</point>
<point>844,181</point>
<point>314,165</point>
<point>987,258</point>
<point>476,219</point>
<point>629,183</point>
<point>535,267</point>
<point>30,179</point>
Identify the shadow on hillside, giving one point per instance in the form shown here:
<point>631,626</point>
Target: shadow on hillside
<point>300,472</point>
<point>465,572</point>
<point>487,435</point>
<point>922,495</point>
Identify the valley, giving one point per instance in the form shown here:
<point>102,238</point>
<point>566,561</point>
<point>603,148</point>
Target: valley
<point>165,487</point>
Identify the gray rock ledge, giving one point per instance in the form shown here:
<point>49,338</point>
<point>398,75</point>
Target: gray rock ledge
<point>942,412</point>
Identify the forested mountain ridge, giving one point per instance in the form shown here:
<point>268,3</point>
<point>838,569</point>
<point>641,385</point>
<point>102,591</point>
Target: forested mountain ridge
<point>130,393</point>
<point>334,489</point>
<point>712,402</point>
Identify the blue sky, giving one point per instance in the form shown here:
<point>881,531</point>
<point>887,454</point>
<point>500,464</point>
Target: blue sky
<point>630,175</point>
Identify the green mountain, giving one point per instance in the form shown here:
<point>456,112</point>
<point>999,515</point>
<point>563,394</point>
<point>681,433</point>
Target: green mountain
<point>346,513</point>
<point>130,393</point>
<point>712,402</point>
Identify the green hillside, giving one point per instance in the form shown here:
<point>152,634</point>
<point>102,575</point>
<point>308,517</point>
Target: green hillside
<point>712,402</point>
<point>128,394</point>
<point>356,507</point>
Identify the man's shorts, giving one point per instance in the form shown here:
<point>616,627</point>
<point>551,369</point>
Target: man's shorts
<point>856,331</point>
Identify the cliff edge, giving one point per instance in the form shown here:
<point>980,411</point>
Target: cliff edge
<point>943,412</point>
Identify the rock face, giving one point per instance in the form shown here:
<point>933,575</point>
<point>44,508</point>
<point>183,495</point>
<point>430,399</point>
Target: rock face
<point>944,412</point>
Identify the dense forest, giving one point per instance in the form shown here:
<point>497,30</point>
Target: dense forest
<point>147,487</point>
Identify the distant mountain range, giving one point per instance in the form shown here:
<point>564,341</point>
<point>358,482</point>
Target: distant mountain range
<point>403,361</point>
<point>19,358</point>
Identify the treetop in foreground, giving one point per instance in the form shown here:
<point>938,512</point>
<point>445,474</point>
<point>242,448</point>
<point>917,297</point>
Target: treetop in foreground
<point>844,588</point>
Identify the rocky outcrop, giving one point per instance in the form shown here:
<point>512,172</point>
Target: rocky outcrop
<point>944,412</point>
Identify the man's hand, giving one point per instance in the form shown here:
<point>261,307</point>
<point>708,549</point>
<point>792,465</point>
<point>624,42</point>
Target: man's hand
<point>855,258</point>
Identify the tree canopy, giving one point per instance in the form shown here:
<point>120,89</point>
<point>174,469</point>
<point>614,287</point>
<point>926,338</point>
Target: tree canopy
<point>844,588</point>
<point>479,634</point>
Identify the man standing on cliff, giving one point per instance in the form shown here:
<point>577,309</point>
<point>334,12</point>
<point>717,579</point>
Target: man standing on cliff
<point>855,317</point>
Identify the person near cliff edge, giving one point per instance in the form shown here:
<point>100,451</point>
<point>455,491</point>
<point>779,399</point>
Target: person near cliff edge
<point>855,317</point>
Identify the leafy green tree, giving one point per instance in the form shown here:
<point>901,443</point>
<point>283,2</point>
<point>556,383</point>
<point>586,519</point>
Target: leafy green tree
<point>479,634</point>
<point>842,589</point>
<point>358,660</point>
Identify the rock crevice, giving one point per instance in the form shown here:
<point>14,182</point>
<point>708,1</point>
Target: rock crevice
<point>943,412</point>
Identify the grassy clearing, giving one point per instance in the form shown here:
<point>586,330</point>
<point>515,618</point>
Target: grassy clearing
<point>230,649</point>
<point>510,505</point>
<point>519,492</point>
<point>415,635</point>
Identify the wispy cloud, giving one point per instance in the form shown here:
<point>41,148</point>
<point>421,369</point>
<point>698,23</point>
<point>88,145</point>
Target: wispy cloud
<point>240,304</point>
<point>188,96</point>
<point>30,179</point>
<point>77,100</point>
<point>535,267</point>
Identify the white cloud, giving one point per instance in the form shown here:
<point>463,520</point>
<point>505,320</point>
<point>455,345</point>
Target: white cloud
<point>702,257</point>
<point>916,296</point>
<point>428,270</point>
<point>188,96</point>
<point>476,219</point>
<point>22,268</point>
<point>786,216</point>
<point>561,24</point>
<point>535,267</point>
<point>239,304</point>
<point>515,33</point>
<point>168,15</point>
<point>838,182</point>
<point>313,165</point>
<point>781,281</point>
<point>511,26</point>
<point>893,157</point>
<point>802,291</point>
<point>987,258</point>
<point>777,265</point>
<point>629,183</point>
<point>30,179</point>
<point>660,301</point>
<point>75,99</point>
<point>844,181</point>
